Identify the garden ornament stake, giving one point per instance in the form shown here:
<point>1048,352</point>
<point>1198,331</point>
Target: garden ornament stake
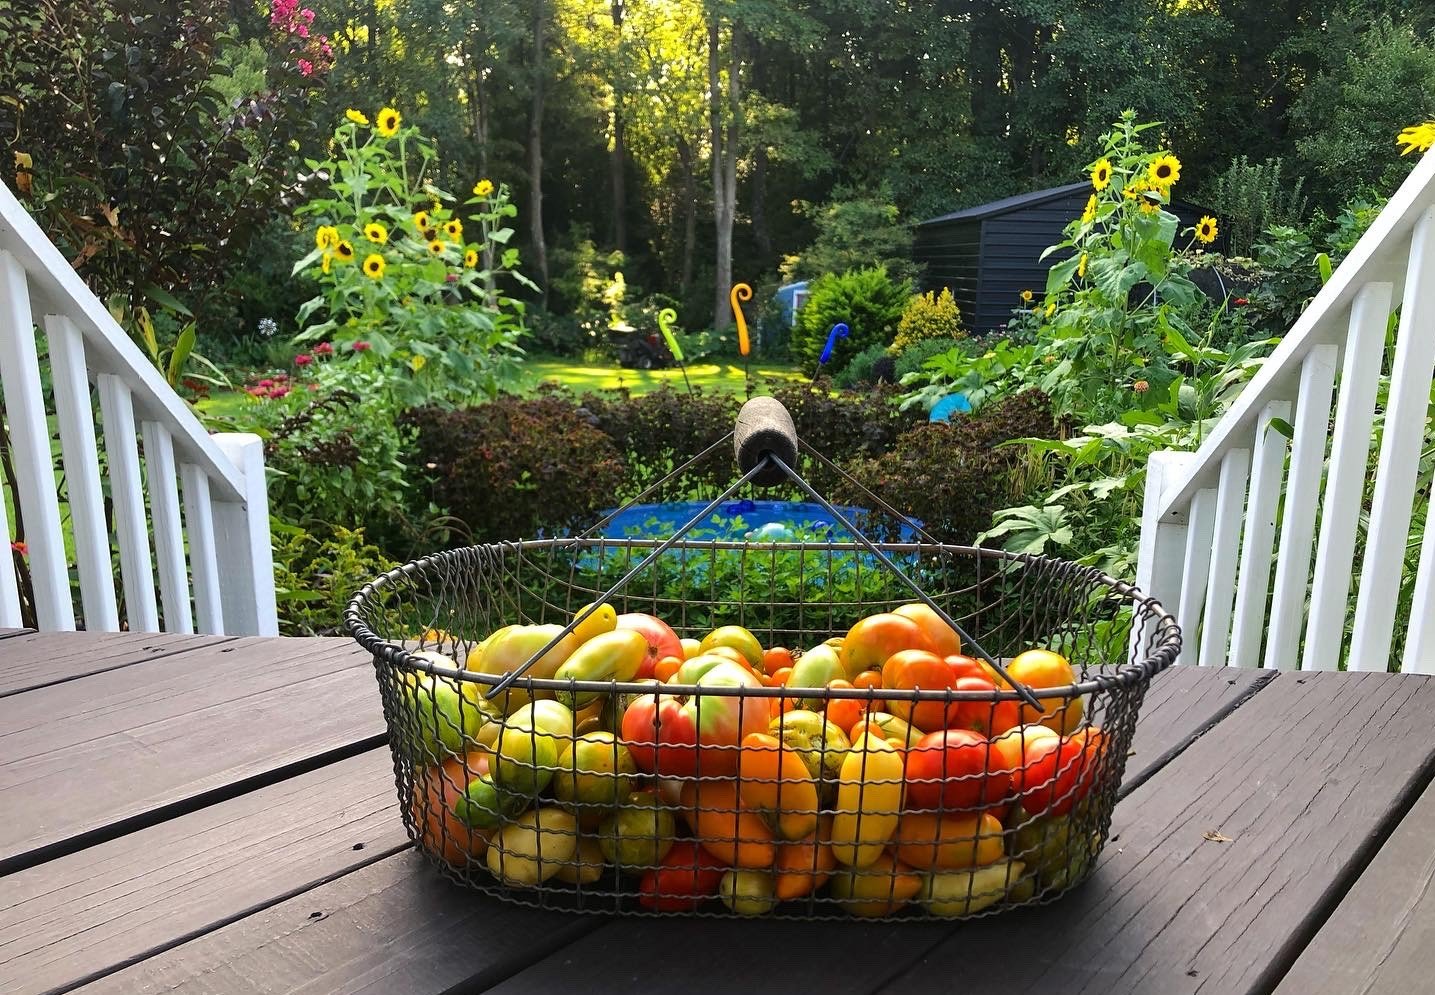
<point>839,331</point>
<point>742,292</point>
<point>666,317</point>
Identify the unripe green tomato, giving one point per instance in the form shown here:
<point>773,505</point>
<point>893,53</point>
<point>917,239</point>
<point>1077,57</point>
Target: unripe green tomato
<point>639,834</point>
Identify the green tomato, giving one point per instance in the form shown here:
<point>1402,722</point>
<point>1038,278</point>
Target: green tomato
<point>595,774</point>
<point>525,762</point>
<point>639,834</point>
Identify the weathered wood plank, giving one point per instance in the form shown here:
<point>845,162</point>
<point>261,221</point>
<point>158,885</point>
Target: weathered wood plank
<point>393,926</point>
<point>35,659</point>
<point>1223,863</point>
<point>1381,937</point>
<point>408,931</point>
<point>106,752</point>
<point>7,633</point>
<point>146,891</point>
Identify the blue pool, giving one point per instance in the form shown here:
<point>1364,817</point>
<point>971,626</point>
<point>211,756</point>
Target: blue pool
<point>754,521</point>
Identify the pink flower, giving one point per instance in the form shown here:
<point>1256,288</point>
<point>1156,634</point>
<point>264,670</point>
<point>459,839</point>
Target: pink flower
<point>306,68</point>
<point>260,391</point>
<point>281,376</point>
<point>361,346</point>
<point>324,349</point>
<point>266,383</point>
<point>307,15</point>
<point>302,31</point>
<point>20,548</point>
<point>303,359</point>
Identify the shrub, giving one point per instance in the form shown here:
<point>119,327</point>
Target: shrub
<point>658,431</point>
<point>953,476</point>
<point>842,426</point>
<point>928,316</point>
<point>859,369</point>
<point>855,228</point>
<point>516,467</point>
<point>316,575</point>
<point>868,300</point>
<point>1251,198</point>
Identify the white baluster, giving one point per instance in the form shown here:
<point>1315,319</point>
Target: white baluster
<point>1389,531</point>
<point>38,500</point>
<point>1162,543</point>
<point>1312,418</point>
<point>1221,581</point>
<point>168,535</point>
<point>1345,479</point>
<point>242,539</point>
<point>10,617</point>
<point>199,527</point>
<point>82,474</point>
<point>126,490</point>
<point>1197,561</point>
<point>1254,576</point>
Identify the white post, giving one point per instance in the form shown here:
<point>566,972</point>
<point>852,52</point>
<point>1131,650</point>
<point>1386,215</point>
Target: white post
<point>1195,569</point>
<point>242,541</point>
<point>168,535</point>
<point>1221,582</point>
<point>81,456</point>
<point>126,490</point>
<point>1162,543</point>
<point>37,498</point>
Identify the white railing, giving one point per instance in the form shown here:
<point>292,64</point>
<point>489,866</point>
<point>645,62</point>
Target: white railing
<point>1213,519</point>
<point>225,517</point>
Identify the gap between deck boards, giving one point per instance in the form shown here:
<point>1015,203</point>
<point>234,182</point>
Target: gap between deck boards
<point>151,656</point>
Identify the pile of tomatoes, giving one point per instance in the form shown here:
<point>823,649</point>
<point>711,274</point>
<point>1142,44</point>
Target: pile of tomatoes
<point>843,784</point>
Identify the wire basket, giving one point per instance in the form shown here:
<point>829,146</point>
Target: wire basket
<point>618,725</point>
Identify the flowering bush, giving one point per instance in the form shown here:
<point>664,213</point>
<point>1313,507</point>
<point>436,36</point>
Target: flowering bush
<point>400,271</point>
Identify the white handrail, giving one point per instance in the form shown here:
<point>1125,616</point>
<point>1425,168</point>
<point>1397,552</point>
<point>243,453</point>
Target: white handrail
<point>1324,373</point>
<point>225,509</point>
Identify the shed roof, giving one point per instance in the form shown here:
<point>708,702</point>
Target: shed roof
<point>1008,204</point>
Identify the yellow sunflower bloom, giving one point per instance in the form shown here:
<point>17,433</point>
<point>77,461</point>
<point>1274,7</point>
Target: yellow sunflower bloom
<point>326,260</point>
<point>483,188</point>
<point>1027,296</point>
<point>470,258</point>
<point>436,247</point>
<point>454,229</point>
<point>1050,308</point>
<point>1133,190</point>
<point>356,116</point>
<point>1164,171</point>
<point>326,237</point>
<point>1149,206</point>
<point>1101,174</point>
<point>389,120</point>
<point>1081,268</point>
<point>1417,138</point>
<point>374,266</point>
<point>1088,214</point>
<point>344,252</point>
<point>376,232</point>
<point>1206,230</point>
<point>421,220</point>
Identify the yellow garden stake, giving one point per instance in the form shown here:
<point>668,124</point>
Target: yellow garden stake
<point>742,292</point>
<point>666,317</point>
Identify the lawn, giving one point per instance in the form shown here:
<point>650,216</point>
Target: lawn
<point>719,375</point>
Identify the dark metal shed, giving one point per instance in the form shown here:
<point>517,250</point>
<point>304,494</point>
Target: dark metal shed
<point>989,254</point>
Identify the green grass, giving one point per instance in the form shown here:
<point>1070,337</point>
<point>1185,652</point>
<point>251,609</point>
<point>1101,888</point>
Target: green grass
<point>724,376</point>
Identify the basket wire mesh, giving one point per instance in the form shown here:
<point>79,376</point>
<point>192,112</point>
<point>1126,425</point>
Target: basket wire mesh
<point>559,779</point>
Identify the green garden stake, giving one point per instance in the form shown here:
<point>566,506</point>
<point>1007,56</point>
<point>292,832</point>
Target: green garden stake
<point>666,317</point>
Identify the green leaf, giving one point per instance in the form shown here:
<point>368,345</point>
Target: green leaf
<point>165,299</point>
<point>182,348</point>
<point>1283,427</point>
<point>1059,276</point>
<point>1322,262</point>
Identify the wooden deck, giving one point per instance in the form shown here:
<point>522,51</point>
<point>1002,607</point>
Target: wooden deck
<point>217,815</point>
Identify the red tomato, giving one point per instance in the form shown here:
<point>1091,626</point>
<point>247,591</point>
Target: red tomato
<point>778,677</point>
<point>685,878</point>
<point>777,657</point>
<point>660,636</point>
<point>844,712</point>
<point>1058,774</point>
<point>990,718</point>
<point>661,737</point>
<point>911,669</point>
<point>871,641</point>
<point>950,770</point>
<point>943,637</point>
<point>970,666</point>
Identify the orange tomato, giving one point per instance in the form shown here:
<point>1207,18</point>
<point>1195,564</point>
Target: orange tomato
<point>933,841</point>
<point>666,668</point>
<point>775,658</point>
<point>944,638</point>
<point>908,670</point>
<point>872,640</point>
<point>868,679</point>
<point>990,718</point>
<point>804,865</point>
<point>844,713</point>
<point>778,677</point>
<point>1043,669</point>
<point>437,789</point>
<point>724,828</point>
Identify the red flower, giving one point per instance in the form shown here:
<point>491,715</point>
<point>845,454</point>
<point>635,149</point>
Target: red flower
<point>20,548</point>
<point>260,391</point>
<point>281,376</point>
<point>324,349</point>
<point>303,359</point>
<point>361,346</point>
<point>279,392</point>
<point>1239,301</point>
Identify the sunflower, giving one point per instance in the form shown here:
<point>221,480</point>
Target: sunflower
<point>421,220</point>
<point>374,266</point>
<point>376,232</point>
<point>356,116</point>
<point>1027,296</point>
<point>1164,171</point>
<point>1417,138</point>
<point>1149,206</point>
<point>1081,268</point>
<point>326,261</point>
<point>483,188</point>
<point>1088,214</point>
<point>470,258</point>
<point>1206,230</point>
<point>388,122</point>
<point>1050,308</point>
<point>326,237</point>
<point>1133,190</point>
<point>454,229</point>
<point>344,252</point>
<point>437,246</point>
<point>1101,174</point>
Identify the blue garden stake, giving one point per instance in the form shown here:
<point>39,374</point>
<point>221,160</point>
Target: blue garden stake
<point>839,331</point>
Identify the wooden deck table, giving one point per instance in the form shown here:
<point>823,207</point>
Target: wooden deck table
<point>216,815</point>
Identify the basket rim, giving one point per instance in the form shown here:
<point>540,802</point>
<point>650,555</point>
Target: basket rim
<point>1166,633</point>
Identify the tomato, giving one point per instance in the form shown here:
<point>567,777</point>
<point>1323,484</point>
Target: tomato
<point>870,642</point>
<point>777,657</point>
<point>1058,774</point>
<point>990,718</point>
<point>868,679</point>
<point>687,876</point>
<point>676,737</point>
<point>778,678</point>
<point>917,669</point>
<point>899,732</point>
<point>844,712</point>
<point>661,736</point>
<point>436,791</point>
<point>951,770</point>
<point>1043,669</point>
<point>660,636</point>
<point>666,668</point>
<point>737,638</point>
<point>944,638</point>
<point>815,668</point>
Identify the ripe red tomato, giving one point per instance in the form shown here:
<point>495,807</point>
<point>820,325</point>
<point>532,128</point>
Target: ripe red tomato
<point>1059,773</point>
<point>663,640</point>
<point>950,770</point>
<point>871,641</point>
<point>990,718</point>
<point>911,669</point>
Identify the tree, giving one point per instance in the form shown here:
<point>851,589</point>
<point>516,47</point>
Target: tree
<point>535,145</point>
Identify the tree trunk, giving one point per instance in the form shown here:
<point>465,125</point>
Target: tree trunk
<point>761,237</point>
<point>618,161</point>
<point>535,153</point>
<point>724,162</point>
<point>690,216</point>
